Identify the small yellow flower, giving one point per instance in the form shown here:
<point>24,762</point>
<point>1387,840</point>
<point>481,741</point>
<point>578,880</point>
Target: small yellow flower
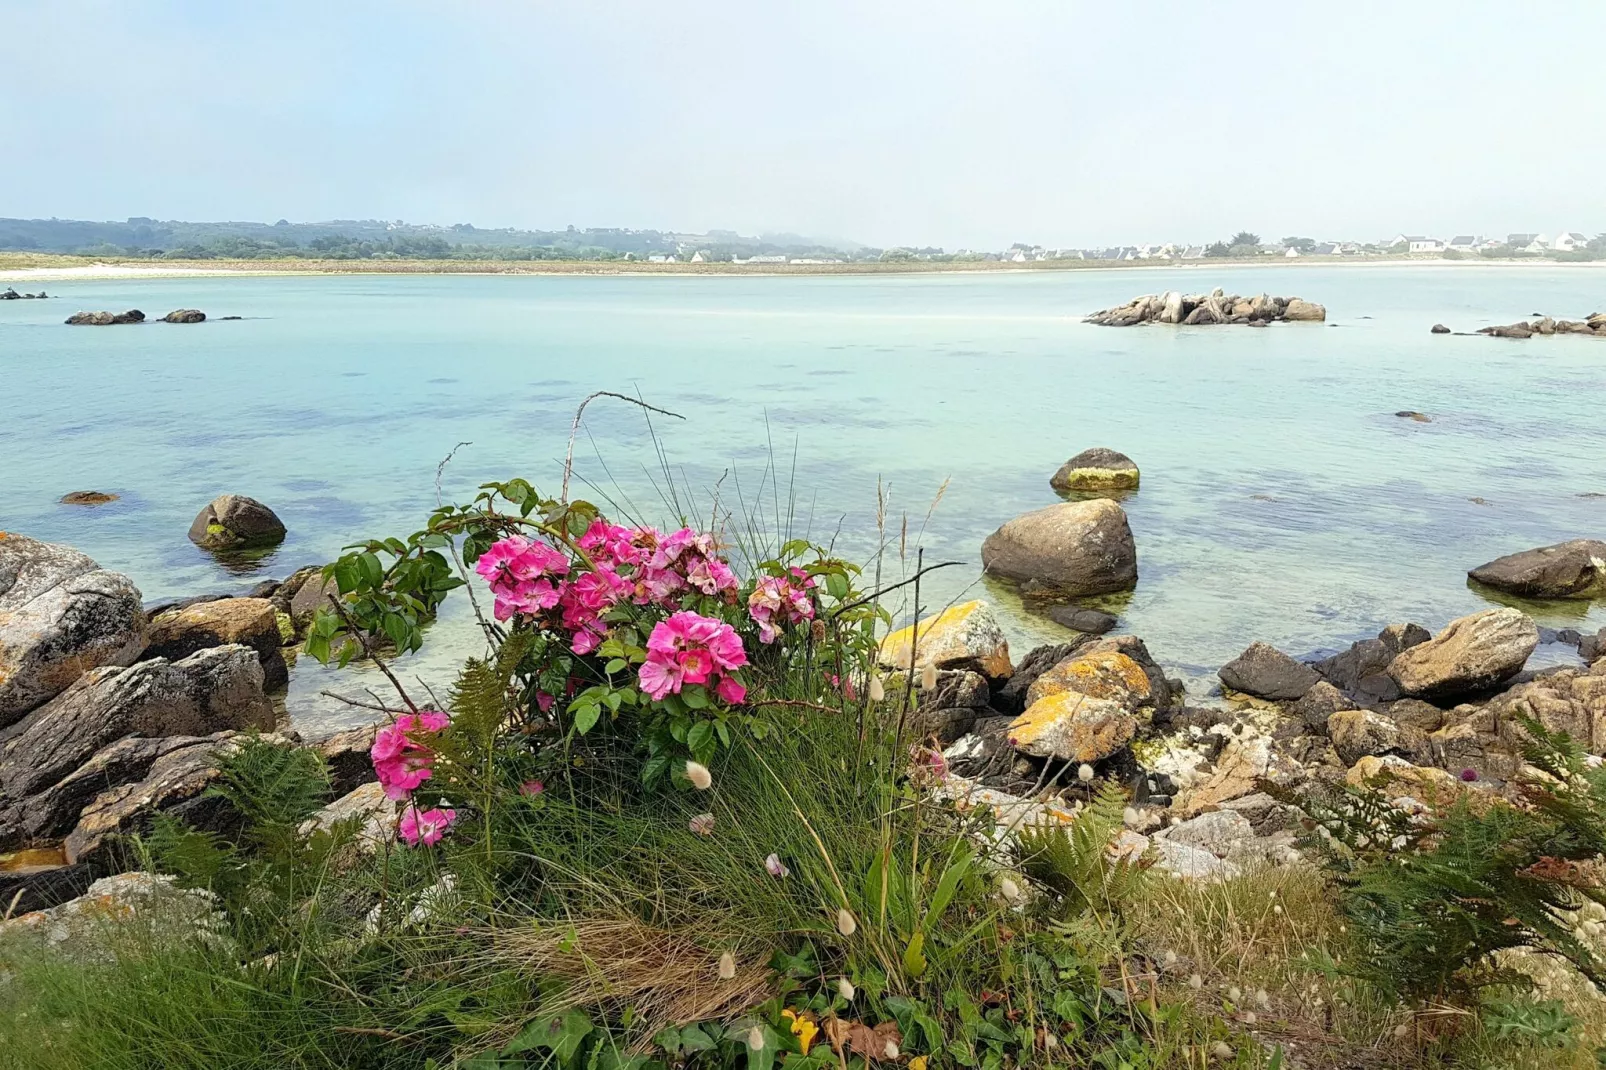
<point>802,1028</point>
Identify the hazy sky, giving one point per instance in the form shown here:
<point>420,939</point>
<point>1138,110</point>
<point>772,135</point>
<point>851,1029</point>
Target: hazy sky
<point>1063,122</point>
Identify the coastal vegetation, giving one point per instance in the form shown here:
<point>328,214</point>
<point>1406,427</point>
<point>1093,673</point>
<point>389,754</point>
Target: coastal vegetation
<point>693,806</point>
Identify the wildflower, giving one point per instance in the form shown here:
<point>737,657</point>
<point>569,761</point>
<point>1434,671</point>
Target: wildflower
<point>845,924</point>
<point>928,677</point>
<point>844,988</point>
<point>1469,775</point>
<point>1084,773</point>
<point>755,1038</point>
<point>878,692</point>
<point>803,1028</point>
<point>426,828</point>
<point>531,787</point>
<point>774,865</point>
<point>700,778</point>
<point>727,966</point>
<point>702,824</point>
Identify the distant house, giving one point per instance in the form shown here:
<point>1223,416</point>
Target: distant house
<point>1463,243</point>
<point>1417,243</point>
<point>1569,241</point>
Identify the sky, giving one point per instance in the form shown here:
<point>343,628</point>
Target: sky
<point>929,122</point>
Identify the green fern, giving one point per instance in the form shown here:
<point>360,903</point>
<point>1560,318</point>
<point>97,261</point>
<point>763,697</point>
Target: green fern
<point>1075,862</point>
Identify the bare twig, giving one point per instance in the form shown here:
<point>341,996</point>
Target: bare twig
<point>873,595</point>
<point>574,428</point>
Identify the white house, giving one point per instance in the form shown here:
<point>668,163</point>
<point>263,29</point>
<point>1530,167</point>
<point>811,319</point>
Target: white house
<point>1416,243</point>
<point>1569,241</point>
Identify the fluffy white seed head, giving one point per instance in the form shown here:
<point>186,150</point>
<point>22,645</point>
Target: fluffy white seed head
<point>700,777</point>
<point>727,966</point>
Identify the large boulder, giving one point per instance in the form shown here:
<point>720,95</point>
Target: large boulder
<point>1073,727</point>
<point>1266,672</point>
<point>61,615</point>
<point>209,691</point>
<point>235,522</point>
<point>1300,309</point>
<point>1079,548</point>
<point>253,622</point>
<point>1471,653</point>
<point>1574,569</point>
<point>1096,471</point>
<point>965,636</point>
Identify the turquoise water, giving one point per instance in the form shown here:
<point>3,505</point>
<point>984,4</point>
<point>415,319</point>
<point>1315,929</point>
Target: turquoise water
<point>1282,499</point>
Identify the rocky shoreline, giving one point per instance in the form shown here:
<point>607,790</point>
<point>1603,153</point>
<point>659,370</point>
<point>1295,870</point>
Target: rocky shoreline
<point>112,710</point>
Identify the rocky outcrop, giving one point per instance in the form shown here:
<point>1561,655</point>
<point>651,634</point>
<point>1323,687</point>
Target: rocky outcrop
<point>185,315</point>
<point>1574,569</point>
<point>1594,325</point>
<point>235,522</point>
<point>1266,672</point>
<point>1076,548</point>
<point>1472,653</point>
<point>211,690</point>
<point>61,615</point>
<point>251,622</point>
<point>1096,471</point>
<point>105,319</point>
<point>1214,307</point>
<point>965,636</point>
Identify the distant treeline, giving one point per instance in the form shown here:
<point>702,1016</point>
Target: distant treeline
<point>374,240</point>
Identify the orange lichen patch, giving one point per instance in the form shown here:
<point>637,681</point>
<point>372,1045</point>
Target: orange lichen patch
<point>1105,674</point>
<point>1072,726</point>
<point>962,634</point>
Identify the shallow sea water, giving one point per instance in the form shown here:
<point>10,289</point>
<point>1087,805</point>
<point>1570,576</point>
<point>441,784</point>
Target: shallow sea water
<point>1282,500</point>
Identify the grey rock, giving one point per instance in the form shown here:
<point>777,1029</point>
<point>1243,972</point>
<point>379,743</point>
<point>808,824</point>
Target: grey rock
<point>1470,654</point>
<point>1266,672</point>
<point>211,690</point>
<point>1079,548</point>
<point>1371,657</point>
<point>235,522</point>
<point>61,615</point>
<point>1077,618</point>
<point>1574,569</point>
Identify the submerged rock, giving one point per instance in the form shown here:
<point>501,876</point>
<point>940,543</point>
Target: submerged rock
<point>1077,548</point>
<point>1574,569</point>
<point>1471,653</point>
<point>1096,471</point>
<point>61,615</point>
<point>235,522</point>
<point>960,637</point>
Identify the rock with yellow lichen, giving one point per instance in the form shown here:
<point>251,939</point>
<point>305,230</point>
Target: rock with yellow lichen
<point>965,636</point>
<point>1074,727</point>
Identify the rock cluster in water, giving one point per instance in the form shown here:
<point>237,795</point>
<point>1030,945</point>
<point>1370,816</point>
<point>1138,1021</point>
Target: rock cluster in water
<point>1594,325</point>
<point>1215,307</point>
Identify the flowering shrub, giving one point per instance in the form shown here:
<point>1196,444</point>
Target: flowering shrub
<point>627,638</point>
